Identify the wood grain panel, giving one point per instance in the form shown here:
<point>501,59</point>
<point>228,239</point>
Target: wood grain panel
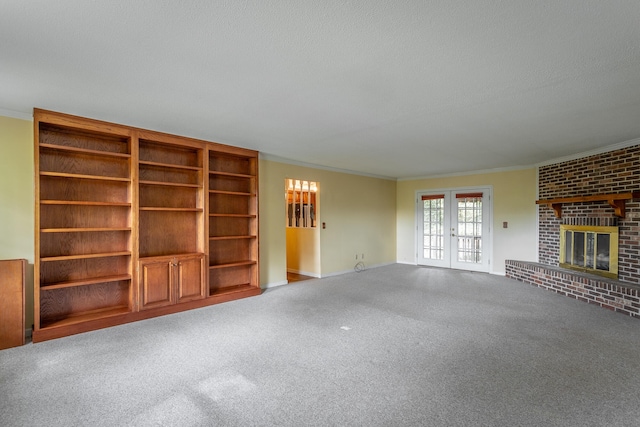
<point>158,173</point>
<point>229,204</point>
<point>12,276</point>
<point>228,251</point>
<point>58,135</point>
<point>54,188</point>
<point>229,226</point>
<point>62,303</point>
<point>170,154</point>
<point>155,284</point>
<point>60,244</point>
<point>232,164</point>
<point>191,279</point>
<point>83,163</point>
<point>169,197</point>
<point>166,233</point>
<point>62,271</point>
<point>230,183</point>
<point>220,278</point>
<point>78,216</point>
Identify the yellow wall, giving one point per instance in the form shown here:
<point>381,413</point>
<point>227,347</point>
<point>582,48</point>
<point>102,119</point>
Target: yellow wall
<point>359,213</point>
<point>514,195</point>
<point>17,198</point>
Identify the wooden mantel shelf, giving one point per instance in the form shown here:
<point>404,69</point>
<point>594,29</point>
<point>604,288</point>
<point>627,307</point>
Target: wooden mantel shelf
<point>616,201</point>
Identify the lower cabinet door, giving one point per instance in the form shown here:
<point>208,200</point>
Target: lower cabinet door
<point>156,284</point>
<point>190,280</point>
<point>167,281</point>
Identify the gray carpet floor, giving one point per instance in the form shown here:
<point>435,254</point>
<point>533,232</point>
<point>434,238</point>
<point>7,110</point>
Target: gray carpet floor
<point>393,346</point>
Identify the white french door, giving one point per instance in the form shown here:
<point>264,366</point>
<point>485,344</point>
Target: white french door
<point>454,228</point>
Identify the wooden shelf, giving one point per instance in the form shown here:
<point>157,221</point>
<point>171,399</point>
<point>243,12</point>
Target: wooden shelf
<point>160,209</point>
<point>236,175</point>
<point>86,316</point>
<point>79,176</point>
<point>233,264</point>
<point>84,256</point>
<point>170,184</point>
<point>221,215</point>
<point>231,237</point>
<point>85,151</point>
<point>233,193</point>
<point>616,201</point>
<point>84,282</point>
<point>232,289</point>
<point>83,203</point>
<point>176,255</point>
<point>169,165</point>
<point>82,230</point>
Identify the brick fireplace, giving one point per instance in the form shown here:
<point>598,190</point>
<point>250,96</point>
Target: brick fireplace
<point>613,172</point>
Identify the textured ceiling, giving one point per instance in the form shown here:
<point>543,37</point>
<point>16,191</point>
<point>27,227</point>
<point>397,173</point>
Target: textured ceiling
<point>395,89</point>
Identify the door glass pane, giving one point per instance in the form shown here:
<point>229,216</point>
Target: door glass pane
<point>433,239</point>
<point>470,229</point>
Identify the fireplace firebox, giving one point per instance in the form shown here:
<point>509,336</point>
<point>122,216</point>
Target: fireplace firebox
<point>592,249</point>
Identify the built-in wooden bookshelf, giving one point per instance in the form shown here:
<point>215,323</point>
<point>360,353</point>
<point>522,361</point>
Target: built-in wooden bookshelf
<point>133,224</point>
<point>84,222</point>
<point>233,222</point>
<point>171,223</point>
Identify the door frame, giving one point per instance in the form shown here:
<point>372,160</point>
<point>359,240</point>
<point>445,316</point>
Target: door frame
<point>488,242</point>
<point>315,258</point>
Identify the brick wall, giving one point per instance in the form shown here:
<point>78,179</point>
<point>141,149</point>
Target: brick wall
<point>615,171</point>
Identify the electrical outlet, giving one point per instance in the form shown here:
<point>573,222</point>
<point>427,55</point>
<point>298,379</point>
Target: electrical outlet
<point>362,257</point>
<point>356,256</point>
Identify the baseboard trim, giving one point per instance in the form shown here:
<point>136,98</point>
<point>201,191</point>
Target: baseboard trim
<point>275,284</point>
<point>304,273</point>
<point>336,273</point>
<point>495,273</point>
<point>366,267</point>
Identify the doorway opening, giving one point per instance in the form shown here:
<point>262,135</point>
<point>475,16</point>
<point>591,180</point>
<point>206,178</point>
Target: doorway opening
<point>303,235</point>
<point>454,228</point>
